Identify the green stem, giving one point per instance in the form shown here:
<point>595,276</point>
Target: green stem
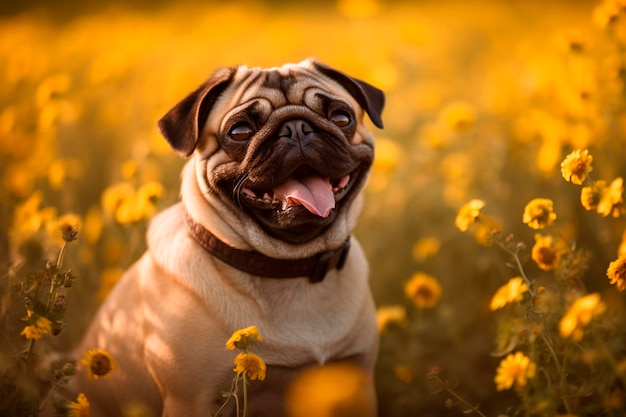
<point>520,268</point>
<point>232,393</point>
<point>53,278</point>
<point>29,352</point>
<point>559,369</point>
<point>48,396</point>
<point>60,257</point>
<point>245,394</point>
<point>471,408</point>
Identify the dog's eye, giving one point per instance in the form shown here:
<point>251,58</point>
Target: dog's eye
<point>241,131</point>
<point>340,118</point>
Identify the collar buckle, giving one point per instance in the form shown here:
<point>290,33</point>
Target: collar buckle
<point>329,260</point>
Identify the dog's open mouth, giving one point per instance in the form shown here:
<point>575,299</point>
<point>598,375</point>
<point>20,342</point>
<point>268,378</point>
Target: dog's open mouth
<point>311,190</point>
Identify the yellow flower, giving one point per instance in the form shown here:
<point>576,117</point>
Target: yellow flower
<point>576,166</point>
<point>243,338</point>
<point>606,13</point>
<point>29,218</point>
<point>539,213</point>
<point>115,195</point>
<point>458,116</point>
<point>547,252</point>
<point>516,369</point>
<point>128,205</point>
<point>612,198</point>
<point>92,228</point>
<point>512,291</point>
<point>426,248</point>
<point>99,363</point>
<point>57,173</point>
<point>129,169</point>
<point>424,290</point>
<point>579,315</point>
<point>590,196</point>
<point>621,250</point>
<point>41,327</point>
<point>251,364</point>
<point>468,214</point>
<point>337,389</point>
<point>485,231</point>
<point>617,273</point>
<point>146,198</point>
<point>385,315</point>
<point>78,408</point>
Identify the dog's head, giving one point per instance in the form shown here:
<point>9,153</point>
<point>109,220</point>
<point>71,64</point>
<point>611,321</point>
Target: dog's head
<point>284,146</point>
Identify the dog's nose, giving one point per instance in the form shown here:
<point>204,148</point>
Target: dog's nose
<point>296,129</point>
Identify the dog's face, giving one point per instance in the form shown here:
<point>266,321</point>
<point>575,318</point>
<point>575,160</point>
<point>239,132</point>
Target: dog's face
<point>285,146</point>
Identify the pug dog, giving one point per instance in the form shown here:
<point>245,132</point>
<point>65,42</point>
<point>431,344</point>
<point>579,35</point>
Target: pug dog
<point>261,236</point>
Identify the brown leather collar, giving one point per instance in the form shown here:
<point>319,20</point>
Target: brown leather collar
<point>315,267</point>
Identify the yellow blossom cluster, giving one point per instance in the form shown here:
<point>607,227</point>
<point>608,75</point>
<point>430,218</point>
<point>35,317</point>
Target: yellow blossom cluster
<point>40,326</point>
<point>99,363</point>
<point>248,367</point>
<point>515,369</point>
<point>386,315</point>
<point>251,365</point>
<point>78,408</point>
<point>617,273</point>
<point>510,292</point>
<point>605,199</point>
<point>129,205</point>
<point>469,214</point>
<point>579,316</point>
<point>247,363</point>
<point>576,166</point>
<point>423,289</point>
<point>547,251</point>
<point>550,252</point>
<point>539,213</point>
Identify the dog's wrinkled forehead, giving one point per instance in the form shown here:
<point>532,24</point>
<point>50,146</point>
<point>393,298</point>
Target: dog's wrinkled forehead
<point>291,84</point>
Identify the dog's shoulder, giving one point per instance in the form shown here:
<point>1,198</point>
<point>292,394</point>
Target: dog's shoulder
<point>176,252</point>
<point>168,238</point>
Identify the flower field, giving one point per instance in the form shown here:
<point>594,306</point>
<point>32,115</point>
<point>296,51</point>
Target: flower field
<point>494,221</point>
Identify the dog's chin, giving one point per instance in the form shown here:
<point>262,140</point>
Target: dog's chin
<point>294,224</point>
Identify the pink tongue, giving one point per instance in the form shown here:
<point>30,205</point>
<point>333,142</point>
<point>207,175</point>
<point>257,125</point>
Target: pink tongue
<point>314,193</point>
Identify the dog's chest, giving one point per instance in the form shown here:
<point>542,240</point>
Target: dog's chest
<point>298,319</point>
<point>300,322</point>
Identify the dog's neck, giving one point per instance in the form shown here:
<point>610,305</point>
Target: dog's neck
<point>254,263</point>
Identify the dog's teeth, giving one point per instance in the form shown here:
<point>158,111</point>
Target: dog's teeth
<point>343,182</point>
<point>267,197</point>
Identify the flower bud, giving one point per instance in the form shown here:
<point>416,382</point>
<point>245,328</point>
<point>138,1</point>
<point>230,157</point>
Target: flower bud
<point>69,369</point>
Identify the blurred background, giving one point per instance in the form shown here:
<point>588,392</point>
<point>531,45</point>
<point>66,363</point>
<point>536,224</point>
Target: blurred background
<point>484,100</point>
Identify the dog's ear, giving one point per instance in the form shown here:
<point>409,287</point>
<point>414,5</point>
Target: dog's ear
<point>182,125</point>
<point>369,97</point>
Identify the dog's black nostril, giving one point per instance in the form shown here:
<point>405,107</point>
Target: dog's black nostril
<point>305,128</point>
<point>296,129</point>
<point>285,131</point>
